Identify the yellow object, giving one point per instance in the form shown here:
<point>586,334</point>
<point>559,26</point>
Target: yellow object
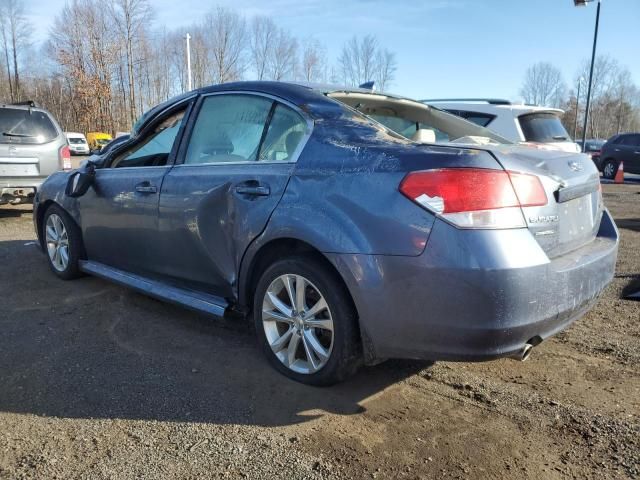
<point>97,140</point>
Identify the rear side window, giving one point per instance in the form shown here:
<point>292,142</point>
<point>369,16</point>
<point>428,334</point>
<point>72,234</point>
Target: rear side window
<point>481,119</point>
<point>27,127</point>
<point>228,129</point>
<point>542,127</point>
<point>285,133</point>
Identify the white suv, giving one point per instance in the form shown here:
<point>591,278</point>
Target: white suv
<point>515,122</point>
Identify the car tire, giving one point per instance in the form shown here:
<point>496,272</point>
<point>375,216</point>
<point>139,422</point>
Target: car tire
<point>609,169</point>
<point>62,242</point>
<point>322,349</point>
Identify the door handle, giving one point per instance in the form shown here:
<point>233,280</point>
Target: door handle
<point>146,187</point>
<point>255,191</point>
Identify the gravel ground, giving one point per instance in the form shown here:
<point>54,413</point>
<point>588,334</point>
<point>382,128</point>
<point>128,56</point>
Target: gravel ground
<point>99,382</point>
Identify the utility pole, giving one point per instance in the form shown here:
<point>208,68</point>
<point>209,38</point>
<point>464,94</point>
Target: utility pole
<point>575,125</point>
<point>189,80</point>
<point>580,3</point>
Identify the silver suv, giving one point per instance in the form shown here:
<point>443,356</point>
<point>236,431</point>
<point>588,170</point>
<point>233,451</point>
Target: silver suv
<point>32,147</point>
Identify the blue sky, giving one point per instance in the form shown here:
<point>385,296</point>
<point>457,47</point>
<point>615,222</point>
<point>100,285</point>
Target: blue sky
<point>444,48</point>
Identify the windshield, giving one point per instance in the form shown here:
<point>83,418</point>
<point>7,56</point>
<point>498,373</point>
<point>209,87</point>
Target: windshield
<point>543,127</point>
<point>76,141</point>
<point>21,126</point>
<point>103,141</point>
<point>418,122</point>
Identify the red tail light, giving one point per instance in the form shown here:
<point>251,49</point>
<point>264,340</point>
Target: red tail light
<point>474,197</point>
<point>64,156</point>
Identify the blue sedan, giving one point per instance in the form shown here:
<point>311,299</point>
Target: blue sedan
<point>351,226</point>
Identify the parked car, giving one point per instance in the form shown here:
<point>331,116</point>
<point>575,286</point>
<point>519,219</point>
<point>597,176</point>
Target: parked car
<point>334,219</point>
<point>592,148</point>
<point>32,146</point>
<point>77,143</point>
<point>97,140</point>
<point>620,148</point>
<point>516,122</point>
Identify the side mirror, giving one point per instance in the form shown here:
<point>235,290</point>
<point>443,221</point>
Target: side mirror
<point>80,181</point>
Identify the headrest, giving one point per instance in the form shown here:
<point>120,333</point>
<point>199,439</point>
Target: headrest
<point>424,135</point>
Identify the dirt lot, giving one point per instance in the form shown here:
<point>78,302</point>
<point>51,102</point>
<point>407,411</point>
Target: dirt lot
<point>100,382</point>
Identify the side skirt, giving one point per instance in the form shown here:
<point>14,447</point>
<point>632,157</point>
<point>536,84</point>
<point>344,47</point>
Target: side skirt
<point>200,302</point>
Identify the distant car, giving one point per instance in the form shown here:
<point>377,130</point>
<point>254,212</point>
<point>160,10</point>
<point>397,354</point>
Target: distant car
<point>351,226</point>
<point>620,148</point>
<point>515,122</point>
<point>97,140</point>
<point>32,147</point>
<point>77,143</point>
<point>592,148</point>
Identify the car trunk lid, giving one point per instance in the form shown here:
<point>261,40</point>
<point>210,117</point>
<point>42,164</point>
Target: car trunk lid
<point>572,215</point>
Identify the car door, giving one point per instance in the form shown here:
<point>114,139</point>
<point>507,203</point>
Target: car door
<point>632,164</point>
<point>233,168</point>
<point>119,215</point>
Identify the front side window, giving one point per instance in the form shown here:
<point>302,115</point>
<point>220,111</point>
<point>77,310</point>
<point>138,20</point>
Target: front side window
<point>155,147</point>
<point>229,129</point>
<point>285,133</point>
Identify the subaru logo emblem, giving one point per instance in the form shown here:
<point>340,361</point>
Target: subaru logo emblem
<point>575,166</point>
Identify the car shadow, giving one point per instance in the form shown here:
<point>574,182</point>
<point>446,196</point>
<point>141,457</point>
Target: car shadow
<point>90,349</point>
<point>11,211</point>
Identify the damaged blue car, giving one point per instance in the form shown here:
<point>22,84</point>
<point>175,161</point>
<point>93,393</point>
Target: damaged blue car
<point>351,226</point>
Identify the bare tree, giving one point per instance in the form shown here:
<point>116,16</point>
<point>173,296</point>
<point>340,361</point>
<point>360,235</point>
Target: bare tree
<point>4,34</point>
<point>387,66</point>
<point>357,60</point>
<point>263,34</point>
<point>284,56</point>
<point>225,35</point>
<point>16,33</point>
<point>130,17</point>
<point>365,60</point>
<point>314,61</point>
<point>543,85</point>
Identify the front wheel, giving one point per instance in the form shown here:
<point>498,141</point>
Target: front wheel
<point>609,169</point>
<point>306,322</point>
<point>63,243</point>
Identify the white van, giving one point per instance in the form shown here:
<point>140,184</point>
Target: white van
<point>516,122</point>
<point>77,143</point>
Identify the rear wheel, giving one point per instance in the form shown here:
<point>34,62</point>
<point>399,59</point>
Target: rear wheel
<point>609,169</point>
<point>306,323</point>
<point>63,243</point>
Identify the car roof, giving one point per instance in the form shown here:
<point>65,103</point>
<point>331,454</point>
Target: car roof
<point>23,107</point>
<point>491,105</point>
<point>310,100</point>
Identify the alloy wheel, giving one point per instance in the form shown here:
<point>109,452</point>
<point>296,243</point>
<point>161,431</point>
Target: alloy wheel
<point>298,324</point>
<point>57,240</point>
<point>609,170</point>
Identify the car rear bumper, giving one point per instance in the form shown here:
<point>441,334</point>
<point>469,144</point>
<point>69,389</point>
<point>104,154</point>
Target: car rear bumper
<point>474,295</point>
<point>19,190</point>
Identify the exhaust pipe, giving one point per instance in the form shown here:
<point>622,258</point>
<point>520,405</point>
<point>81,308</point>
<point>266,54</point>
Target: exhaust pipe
<point>522,354</point>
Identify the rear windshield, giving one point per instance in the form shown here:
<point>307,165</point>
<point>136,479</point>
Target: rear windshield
<point>77,141</point>
<point>543,127</point>
<point>29,127</point>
